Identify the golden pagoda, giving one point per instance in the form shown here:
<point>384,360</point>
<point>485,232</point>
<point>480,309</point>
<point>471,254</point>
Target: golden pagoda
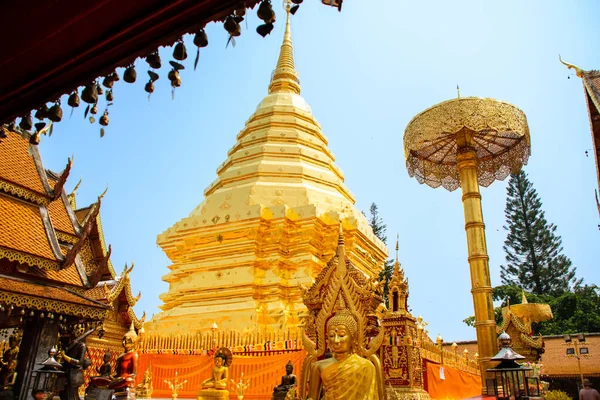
<point>268,222</point>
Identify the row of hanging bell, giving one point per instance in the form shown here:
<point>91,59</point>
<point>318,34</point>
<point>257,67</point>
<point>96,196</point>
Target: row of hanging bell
<point>266,13</point>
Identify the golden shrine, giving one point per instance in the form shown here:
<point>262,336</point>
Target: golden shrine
<point>267,223</point>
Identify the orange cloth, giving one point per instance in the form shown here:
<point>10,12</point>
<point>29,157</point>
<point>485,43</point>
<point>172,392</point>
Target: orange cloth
<point>264,372</point>
<point>456,385</point>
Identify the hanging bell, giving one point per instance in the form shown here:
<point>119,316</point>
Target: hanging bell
<point>265,12</point>
<point>94,109</point>
<point>153,60</point>
<point>104,118</point>
<point>333,3</point>
<point>201,39</point>
<point>264,29</point>
<point>42,112</point>
<point>55,113</point>
<point>26,123</point>
<point>153,76</point>
<point>109,96</point>
<point>99,90</point>
<point>173,75</point>
<point>110,79</point>
<point>149,87</point>
<point>90,94</point>
<point>232,26</point>
<point>179,52</point>
<point>130,75</point>
<point>73,100</point>
<point>297,1</point>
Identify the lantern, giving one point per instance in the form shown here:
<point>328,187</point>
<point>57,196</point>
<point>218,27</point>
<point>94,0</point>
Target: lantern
<point>511,380</point>
<point>45,378</point>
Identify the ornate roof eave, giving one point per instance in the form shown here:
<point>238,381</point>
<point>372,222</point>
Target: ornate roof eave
<point>138,323</point>
<point>94,278</point>
<point>29,259</point>
<point>124,285</point>
<point>90,309</point>
<point>60,183</point>
<point>163,26</point>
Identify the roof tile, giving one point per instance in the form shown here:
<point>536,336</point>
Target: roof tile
<point>21,228</point>
<point>17,165</point>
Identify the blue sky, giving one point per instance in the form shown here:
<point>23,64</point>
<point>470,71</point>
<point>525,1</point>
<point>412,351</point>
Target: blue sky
<point>365,72</point>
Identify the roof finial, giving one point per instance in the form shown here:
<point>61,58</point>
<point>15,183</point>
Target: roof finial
<point>285,77</point>
<point>397,245</point>
<point>578,71</point>
<point>458,90</point>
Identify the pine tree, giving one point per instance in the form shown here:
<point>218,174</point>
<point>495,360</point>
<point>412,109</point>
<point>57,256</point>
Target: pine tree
<point>379,229</point>
<point>533,250</point>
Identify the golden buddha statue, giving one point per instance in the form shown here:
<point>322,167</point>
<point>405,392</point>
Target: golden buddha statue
<point>346,375</point>
<point>215,387</point>
<point>343,304</point>
<point>144,388</point>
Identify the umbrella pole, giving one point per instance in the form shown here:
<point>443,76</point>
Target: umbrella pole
<point>481,288</point>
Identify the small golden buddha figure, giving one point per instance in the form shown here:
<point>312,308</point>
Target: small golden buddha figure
<point>144,388</point>
<point>220,374</point>
<point>215,387</point>
<point>345,376</point>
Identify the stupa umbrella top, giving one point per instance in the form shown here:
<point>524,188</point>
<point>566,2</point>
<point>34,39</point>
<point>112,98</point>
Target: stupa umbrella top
<point>499,136</point>
<point>467,142</point>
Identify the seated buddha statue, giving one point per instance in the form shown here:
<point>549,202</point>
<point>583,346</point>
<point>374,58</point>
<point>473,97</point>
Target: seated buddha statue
<point>220,374</point>
<point>287,382</point>
<point>346,375</point>
<point>144,388</point>
<point>126,365</point>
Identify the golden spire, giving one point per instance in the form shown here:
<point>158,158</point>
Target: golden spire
<point>285,77</point>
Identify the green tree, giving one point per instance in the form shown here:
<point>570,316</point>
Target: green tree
<point>379,229</point>
<point>533,250</point>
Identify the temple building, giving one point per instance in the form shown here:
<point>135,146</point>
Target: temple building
<point>591,86</point>
<point>52,256</point>
<point>268,222</point>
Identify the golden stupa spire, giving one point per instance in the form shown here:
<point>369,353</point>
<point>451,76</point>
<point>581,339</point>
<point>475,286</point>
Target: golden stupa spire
<point>285,77</point>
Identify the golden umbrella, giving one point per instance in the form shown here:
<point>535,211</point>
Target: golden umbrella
<point>469,142</point>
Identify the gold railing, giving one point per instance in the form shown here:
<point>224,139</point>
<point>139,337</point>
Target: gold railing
<point>432,353</point>
<point>238,342</point>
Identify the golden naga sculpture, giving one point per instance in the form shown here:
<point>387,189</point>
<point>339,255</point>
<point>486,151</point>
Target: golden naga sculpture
<point>215,387</point>
<point>517,320</point>
<point>341,309</point>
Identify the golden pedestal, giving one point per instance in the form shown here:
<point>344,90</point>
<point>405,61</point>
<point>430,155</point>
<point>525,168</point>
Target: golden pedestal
<point>213,394</point>
<point>407,394</point>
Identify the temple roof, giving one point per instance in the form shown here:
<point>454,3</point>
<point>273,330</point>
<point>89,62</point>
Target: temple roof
<point>41,296</point>
<point>47,256</point>
<point>591,85</point>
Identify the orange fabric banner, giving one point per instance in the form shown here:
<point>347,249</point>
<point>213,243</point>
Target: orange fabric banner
<point>264,372</point>
<point>451,384</point>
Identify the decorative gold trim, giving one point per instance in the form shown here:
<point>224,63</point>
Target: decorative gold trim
<point>24,193</point>
<point>29,259</point>
<point>111,269</point>
<point>500,136</point>
<point>66,237</point>
<point>45,304</point>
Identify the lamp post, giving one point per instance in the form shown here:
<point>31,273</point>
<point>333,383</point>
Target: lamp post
<point>575,342</point>
<point>469,142</point>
